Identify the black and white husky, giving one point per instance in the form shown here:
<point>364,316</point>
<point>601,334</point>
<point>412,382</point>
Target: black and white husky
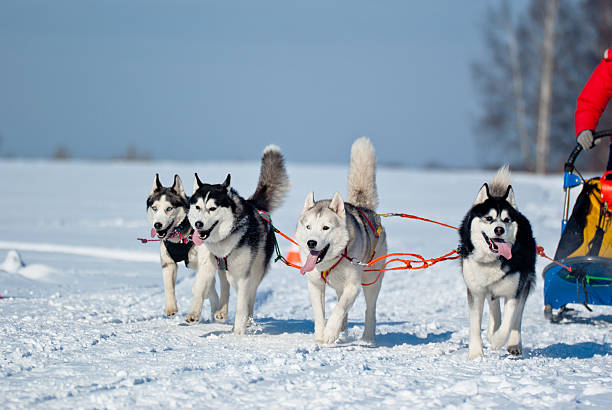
<point>498,254</point>
<point>167,212</point>
<point>332,235</point>
<point>236,233</point>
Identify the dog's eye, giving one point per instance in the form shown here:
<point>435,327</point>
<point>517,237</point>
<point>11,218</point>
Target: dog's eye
<point>507,220</point>
<point>325,228</point>
<point>197,208</point>
<point>154,208</point>
<point>308,227</point>
<point>212,208</point>
<point>169,209</point>
<point>489,219</point>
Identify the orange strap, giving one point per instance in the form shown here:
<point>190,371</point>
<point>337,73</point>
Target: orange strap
<point>540,251</point>
<point>417,217</point>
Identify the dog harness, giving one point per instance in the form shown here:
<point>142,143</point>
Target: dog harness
<point>180,251</point>
<point>222,262</point>
<point>376,231</point>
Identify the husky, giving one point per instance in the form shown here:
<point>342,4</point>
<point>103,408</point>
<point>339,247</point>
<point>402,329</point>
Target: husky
<point>237,231</point>
<point>167,209</point>
<point>497,254</point>
<point>336,240</point>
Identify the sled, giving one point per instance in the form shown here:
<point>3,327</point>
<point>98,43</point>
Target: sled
<point>584,273</point>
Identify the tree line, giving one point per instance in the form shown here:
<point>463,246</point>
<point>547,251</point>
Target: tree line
<point>536,62</point>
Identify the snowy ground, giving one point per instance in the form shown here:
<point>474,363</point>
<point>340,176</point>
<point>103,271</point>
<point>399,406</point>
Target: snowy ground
<point>82,322</point>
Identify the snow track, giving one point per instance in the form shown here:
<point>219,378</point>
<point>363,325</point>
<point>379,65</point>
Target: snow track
<point>101,253</point>
<point>93,335</point>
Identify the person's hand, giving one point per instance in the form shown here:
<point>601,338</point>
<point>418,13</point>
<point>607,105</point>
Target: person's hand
<point>585,139</point>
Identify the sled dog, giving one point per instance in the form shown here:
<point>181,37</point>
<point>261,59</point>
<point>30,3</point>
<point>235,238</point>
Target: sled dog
<point>334,236</point>
<point>237,231</point>
<point>498,252</point>
<point>167,212</point>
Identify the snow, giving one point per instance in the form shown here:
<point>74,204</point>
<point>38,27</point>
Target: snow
<point>82,322</point>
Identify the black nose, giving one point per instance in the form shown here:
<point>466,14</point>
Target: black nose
<point>311,244</point>
<point>157,225</point>
<point>499,231</point>
<point>199,225</point>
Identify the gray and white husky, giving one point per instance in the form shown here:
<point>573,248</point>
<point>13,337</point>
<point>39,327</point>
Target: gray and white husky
<point>167,212</point>
<point>332,235</point>
<point>498,260</point>
<point>236,233</point>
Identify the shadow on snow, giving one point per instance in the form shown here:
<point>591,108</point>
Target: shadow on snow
<point>585,350</point>
<point>273,326</point>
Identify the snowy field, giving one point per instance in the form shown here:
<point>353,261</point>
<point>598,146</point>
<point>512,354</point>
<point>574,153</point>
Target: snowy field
<point>82,324</point>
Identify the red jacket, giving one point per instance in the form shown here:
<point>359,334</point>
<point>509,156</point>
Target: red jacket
<point>594,96</point>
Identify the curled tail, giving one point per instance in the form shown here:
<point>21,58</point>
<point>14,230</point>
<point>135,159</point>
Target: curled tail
<point>273,182</point>
<point>498,186</point>
<point>362,175</point>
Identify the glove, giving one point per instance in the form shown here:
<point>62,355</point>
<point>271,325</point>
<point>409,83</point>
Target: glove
<point>585,139</point>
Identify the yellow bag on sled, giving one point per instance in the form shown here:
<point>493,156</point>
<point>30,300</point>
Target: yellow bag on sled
<point>587,231</point>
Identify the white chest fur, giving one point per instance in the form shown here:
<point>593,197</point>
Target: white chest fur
<point>223,248</point>
<point>489,278</point>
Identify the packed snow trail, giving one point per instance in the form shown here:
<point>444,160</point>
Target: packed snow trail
<point>95,252</point>
<point>89,331</point>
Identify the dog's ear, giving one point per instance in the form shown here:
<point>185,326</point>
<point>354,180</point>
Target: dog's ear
<point>483,194</point>
<point>310,201</point>
<point>337,205</point>
<point>510,197</point>
<point>156,184</point>
<point>227,181</point>
<point>178,187</point>
<point>197,184</point>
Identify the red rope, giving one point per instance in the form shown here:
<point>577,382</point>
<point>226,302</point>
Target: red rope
<point>540,251</point>
<point>289,239</point>
<point>419,218</point>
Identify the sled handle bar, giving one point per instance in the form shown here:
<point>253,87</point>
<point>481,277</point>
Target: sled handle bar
<point>569,165</point>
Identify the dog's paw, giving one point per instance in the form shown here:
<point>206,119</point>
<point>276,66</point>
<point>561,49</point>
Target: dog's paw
<point>220,315</point>
<point>475,352</point>
<point>368,341</point>
<point>498,340</point>
<point>171,310</point>
<point>239,330</point>
<point>515,350</point>
<point>329,336</point>
<point>193,317</point>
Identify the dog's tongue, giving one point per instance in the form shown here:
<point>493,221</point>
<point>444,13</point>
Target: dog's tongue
<point>311,261</point>
<point>196,238</point>
<point>503,248</point>
<point>153,232</point>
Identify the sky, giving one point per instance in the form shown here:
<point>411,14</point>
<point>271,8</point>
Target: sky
<point>220,80</point>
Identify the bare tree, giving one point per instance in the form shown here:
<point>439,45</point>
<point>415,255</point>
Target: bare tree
<point>61,153</point>
<point>546,84</point>
<point>517,84</point>
<point>134,154</point>
<point>522,97</point>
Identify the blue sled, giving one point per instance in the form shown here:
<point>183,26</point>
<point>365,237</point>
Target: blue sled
<point>560,285</point>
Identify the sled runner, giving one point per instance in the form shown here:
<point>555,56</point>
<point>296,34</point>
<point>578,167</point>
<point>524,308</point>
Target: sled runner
<point>585,246</point>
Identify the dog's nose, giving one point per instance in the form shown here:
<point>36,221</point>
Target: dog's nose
<point>311,244</point>
<point>499,231</point>
<point>157,225</point>
<point>199,225</point>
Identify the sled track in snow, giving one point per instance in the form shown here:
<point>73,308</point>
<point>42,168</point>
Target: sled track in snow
<point>94,252</point>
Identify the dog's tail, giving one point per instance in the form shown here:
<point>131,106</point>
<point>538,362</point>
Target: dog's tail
<point>362,175</point>
<point>273,182</point>
<point>500,182</point>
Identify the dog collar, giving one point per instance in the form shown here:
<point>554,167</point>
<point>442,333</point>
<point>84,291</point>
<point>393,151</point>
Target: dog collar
<point>325,274</point>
